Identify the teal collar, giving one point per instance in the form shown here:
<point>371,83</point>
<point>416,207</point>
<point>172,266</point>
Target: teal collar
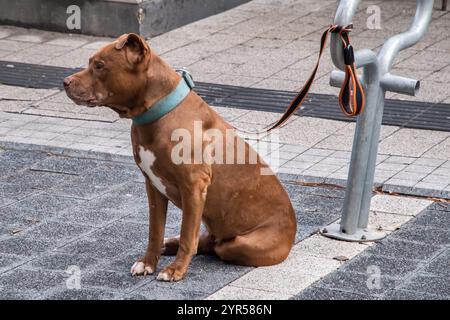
<point>168,103</point>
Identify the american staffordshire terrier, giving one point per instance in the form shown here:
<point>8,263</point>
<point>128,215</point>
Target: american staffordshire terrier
<point>248,215</point>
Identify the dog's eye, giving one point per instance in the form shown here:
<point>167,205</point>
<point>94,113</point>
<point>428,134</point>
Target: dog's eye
<point>99,65</point>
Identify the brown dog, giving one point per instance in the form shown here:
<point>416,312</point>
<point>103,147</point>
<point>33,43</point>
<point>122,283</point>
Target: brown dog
<point>248,216</point>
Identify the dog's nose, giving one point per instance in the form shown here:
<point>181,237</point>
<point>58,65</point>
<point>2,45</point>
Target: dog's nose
<point>67,82</point>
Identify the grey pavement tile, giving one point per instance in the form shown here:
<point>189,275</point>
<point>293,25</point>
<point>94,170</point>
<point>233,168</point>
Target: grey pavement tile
<point>209,273</point>
<point>437,285</point>
<point>153,291</point>
<point>39,179</point>
<point>440,265</point>
<point>81,294</point>
<point>419,168</point>
<point>39,206</point>
<point>392,267</point>
<point>409,295</point>
<point>441,206</point>
<point>9,261</point>
<point>89,216</point>
<point>34,281</point>
<point>433,218</point>
<point>16,295</point>
<point>23,246</point>
<point>15,191</point>
<point>67,165</point>
<point>61,261</point>
<point>122,281</point>
<point>6,201</point>
<point>84,188</point>
<point>400,160</point>
<point>100,249</point>
<point>355,282</point>
<point>173,219</point>
<point>56,231</point>
<point>432,236</point>
<point>427,189</point>
<point>126,232</point>
<point>320,293</point>
<point>397,248</point>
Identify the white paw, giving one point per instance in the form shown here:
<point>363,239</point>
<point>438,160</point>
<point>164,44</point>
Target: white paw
<point>163,276</point>
<point>139,269</point>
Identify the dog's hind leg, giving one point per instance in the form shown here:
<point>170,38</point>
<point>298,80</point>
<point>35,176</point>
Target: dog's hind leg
<point>262,247</point>
<point>205,245</point>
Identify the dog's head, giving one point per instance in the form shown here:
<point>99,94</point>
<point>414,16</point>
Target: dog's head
<point>116,77</point>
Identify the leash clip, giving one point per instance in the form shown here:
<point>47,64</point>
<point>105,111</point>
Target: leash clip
<point>187,77</point>
<point>349,56</point>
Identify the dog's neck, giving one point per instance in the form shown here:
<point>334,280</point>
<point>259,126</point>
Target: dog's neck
<point>161,81</point>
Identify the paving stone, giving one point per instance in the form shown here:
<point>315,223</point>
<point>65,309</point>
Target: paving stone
<point>395,248</point>
<point>398,205</point>
<point>440,265</point>
<point>416,143</point>
<point>237,293</point>
<point>392,267</point>
<point>10,261</point>
<point>109,279</point>
<point>433,218</point>
<point>69,41</point>
<point>320,246</point>
<point>37,207</point>
<point>355,282</point>
<point>81,294</point>
<point>38,281</point>
<point>208,273</point>
<point>387,221</point>
<point>22,246</point>
<point>423,234</point>
<point>428,190</point>
<point>400,160</point>
<point>409,295</point>
<point>154,291</point>
<point>285,281</point>
<point>96,248</point>
<point>55,231</point>
<point>428,284</point>
<point>60,262</point>
<point>15,295</point>
<point>428,162</point>
<point>319,293</point>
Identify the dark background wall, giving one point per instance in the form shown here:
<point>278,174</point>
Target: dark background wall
<point>106,18</point>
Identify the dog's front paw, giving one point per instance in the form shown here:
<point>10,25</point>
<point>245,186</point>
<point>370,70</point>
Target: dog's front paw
<point>171,273</point>
<point>139,268</point>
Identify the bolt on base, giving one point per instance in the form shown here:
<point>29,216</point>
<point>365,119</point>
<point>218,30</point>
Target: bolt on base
<point>361,235</point>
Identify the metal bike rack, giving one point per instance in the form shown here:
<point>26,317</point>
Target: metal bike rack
<point>376,80</point>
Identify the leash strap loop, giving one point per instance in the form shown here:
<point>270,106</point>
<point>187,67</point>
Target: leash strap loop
<point>351,96</point>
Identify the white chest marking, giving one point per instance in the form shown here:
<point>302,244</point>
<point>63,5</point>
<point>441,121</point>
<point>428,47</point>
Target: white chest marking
<point>147,160</point>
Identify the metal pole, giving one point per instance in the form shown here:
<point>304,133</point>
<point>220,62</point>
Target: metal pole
<point>377,80</point>
<point>386,57</point>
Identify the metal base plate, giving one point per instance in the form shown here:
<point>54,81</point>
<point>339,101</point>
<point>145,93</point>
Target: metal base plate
<point>361,235</point>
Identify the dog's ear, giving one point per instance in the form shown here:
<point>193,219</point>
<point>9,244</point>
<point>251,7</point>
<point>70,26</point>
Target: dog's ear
<point>136,46</point>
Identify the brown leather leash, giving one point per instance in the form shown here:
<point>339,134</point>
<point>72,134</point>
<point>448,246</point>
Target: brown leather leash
<point>351,96</point>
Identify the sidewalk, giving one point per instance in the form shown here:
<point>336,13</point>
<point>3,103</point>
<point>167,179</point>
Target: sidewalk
<point>89,213</point>
<point>63,218</point>
<point>260,44</point>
